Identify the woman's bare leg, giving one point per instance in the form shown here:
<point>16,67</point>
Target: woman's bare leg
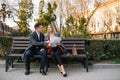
<point>62,69</point>
<point>59,68</point>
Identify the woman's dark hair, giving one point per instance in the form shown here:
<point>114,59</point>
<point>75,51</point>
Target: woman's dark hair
<point>37,25</point>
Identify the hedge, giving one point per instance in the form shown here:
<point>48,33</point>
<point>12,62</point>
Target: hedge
<point>103,49</point>
<point>5,44</point>
<point>98,49</point>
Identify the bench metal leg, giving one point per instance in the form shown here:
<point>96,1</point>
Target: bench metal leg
<point>12,63</point>
<point>7,64</point>
<point>83,62</point>
<point>86,64</point>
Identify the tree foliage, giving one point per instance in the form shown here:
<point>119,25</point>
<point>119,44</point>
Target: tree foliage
<point>46,17</point>
<point>76,29</point>
<point>24,14</point>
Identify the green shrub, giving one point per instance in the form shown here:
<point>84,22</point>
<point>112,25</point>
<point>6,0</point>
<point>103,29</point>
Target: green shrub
<point>2,50</point>
<point>115,61</point>
<point>103,49</point>
<point>5,44</point>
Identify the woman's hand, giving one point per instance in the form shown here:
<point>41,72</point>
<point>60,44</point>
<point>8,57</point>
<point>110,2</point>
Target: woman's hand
<point>57,43</point>
<point>46,42</point>
<point>49,43</point>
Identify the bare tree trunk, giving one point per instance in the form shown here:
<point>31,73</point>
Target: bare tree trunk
<point>92,13</point>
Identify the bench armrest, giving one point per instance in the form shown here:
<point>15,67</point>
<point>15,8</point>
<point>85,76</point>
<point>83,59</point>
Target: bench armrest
<point>87,53</point>
<point>8,52</point>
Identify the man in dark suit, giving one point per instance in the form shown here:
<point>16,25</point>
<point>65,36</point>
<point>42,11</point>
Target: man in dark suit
<point>36,46</point>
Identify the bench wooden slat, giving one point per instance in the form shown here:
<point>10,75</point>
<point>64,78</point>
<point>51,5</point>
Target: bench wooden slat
<point>74,56</point>
<point>73,39</point>
<point>21,48</point>
<point>15,55</point>
<point>76,45</point>
<point>24,42</point>
<point>67,45</point>
<point>49,56</point>
<point>21,38</point>
<point>19,45</point>
<point>79,42</point>
<point>69,48</point>
<point>78,48</point>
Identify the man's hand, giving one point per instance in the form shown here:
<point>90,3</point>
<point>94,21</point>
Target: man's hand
<point>42,49</point>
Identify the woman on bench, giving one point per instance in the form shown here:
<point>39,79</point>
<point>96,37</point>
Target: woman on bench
<point>54,47</point>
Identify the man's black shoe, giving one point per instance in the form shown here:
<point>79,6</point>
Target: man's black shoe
<point>27,72</point>
<point>43,72</point>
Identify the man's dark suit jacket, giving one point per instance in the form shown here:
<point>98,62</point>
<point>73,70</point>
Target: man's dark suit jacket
<point>35,42</point>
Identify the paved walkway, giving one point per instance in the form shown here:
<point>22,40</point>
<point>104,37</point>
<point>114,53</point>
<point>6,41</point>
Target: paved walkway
<point>74,73</point>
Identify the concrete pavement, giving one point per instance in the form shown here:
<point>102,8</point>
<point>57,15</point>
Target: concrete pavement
<point>74,73</point>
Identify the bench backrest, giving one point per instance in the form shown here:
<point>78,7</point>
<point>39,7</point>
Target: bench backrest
<point>20,43</point>
<point>69,43</point>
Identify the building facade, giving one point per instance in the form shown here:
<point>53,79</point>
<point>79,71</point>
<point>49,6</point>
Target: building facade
<point>105,23</point>
<point>5,30</point>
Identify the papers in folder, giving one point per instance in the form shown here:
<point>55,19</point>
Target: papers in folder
<point>55,40</point>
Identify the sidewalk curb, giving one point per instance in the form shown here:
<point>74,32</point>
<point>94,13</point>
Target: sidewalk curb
<point>94,66</point>
<point>105,66</point>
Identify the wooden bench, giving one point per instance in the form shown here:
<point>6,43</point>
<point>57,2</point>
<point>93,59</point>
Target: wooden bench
<point>21,43</point>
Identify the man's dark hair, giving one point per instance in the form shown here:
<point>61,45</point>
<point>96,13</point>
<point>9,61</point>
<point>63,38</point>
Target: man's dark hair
<point>37,25</point>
